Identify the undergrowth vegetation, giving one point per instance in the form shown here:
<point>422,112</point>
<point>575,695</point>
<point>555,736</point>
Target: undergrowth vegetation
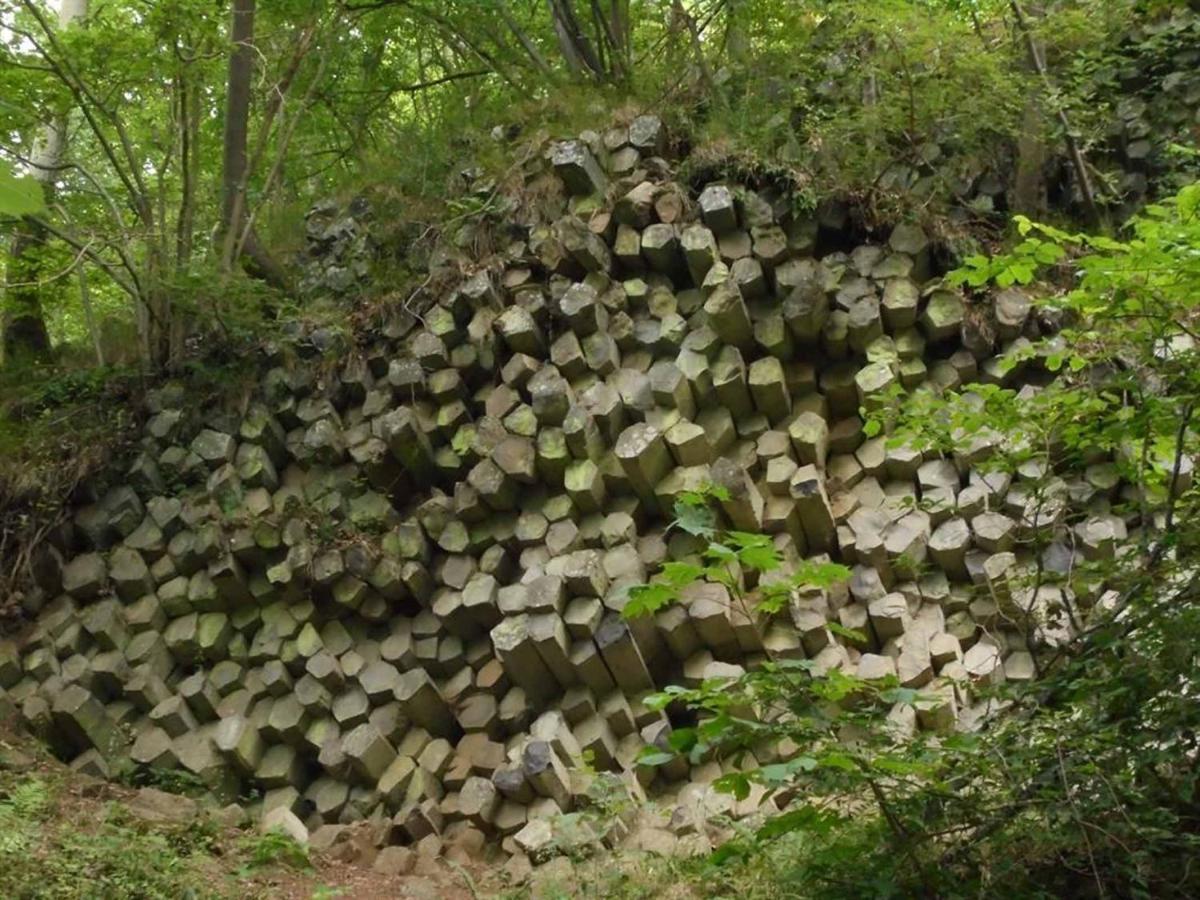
<point>60,841</point>
<point>44,854</point>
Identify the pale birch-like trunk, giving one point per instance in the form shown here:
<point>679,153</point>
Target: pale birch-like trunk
<point>25,335</point>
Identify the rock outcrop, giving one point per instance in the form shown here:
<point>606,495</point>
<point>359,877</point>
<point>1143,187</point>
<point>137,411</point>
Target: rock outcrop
<point>393,590</point>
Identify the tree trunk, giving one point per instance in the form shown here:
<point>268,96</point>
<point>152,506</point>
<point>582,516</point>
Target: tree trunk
<point>85,297</point>
<point>1074,152</point>
<point>576,49</point>
<point>255,259</point>
<point>736,42</point>
<point>237,124</point>
<point>697,47</point>
<point>1028,195</point>
<point>25,335</point>
<point>530,48</point>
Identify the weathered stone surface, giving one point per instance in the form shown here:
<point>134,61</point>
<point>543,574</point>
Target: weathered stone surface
<point>424,704</point>
<point>578,168</point>
<point>719,208</point>
<point>286,822</point>
<point>369,752</point>
<point>812,505</point>
<point>161,808</point>
<point>728,315</point>
<point>85,576</point>
<point>85,723</point>
<point>943,316</point>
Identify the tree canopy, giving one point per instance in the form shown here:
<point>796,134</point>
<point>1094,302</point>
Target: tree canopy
<point>895,103</point>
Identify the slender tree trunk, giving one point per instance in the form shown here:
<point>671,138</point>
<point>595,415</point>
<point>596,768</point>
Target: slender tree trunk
<point>25,335</point>
<point>697,47</point>
<point>189,157</point>
<point>185,232</point>
<point>235,175</point>
<point>1074,151</point>
<point>566,46</point>
<point>573,41</point>
<point>620,27</point>
<point>85,297</point>
<point>736,42</point>
<point>530,48</point>
<point>237,123</point>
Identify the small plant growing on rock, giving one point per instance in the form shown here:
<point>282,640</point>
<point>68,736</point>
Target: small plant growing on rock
<point>274,848</point>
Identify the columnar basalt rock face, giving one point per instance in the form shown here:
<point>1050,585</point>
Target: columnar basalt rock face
<point>395,591</point>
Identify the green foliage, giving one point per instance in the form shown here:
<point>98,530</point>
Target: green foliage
<point>606,799</point>
<point>20,813</point>
<point>728,556</point>
<point>19,196</point>
<point>173,781</point>
<point>861,97</point>
<point>273,848</point>
<point>67,387</point>
<point>895,103</point>
<point>47,855</point>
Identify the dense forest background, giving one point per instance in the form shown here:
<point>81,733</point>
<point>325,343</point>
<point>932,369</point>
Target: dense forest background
<point>166,169</point>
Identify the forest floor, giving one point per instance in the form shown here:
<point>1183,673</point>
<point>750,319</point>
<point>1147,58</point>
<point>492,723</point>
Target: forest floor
<point>67,835</point>
<point>64,834</point>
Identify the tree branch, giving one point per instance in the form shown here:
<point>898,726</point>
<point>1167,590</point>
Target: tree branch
<point>84,99</point>
<point>127,286</point>
<point>523,39</point>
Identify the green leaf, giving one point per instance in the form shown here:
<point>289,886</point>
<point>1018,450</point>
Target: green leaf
<point>851,634</point>
<point>1099,242</point>
<point>775,774</point>
<point>806,665</point>
<point>20,196</point>
<point>718,492</point>
<point>1025,272</point>
<point>695,520</point>
<point>680,574</point>
<point>803,818</point>
<point>821,575</point>
<point>734,783</point>
<point>652,756</point>
<point>773,597</point>
<point>895,766</point>
<point>720,553</point>
<point>755,551</point>
<point>657,701</point>
<point>1048,254</point>
<point>647,599</point>
<point>730,851</point>
<point>682,740</point>
<point>838,761</point>
<point>904,695</point>
<point>782,773</point>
